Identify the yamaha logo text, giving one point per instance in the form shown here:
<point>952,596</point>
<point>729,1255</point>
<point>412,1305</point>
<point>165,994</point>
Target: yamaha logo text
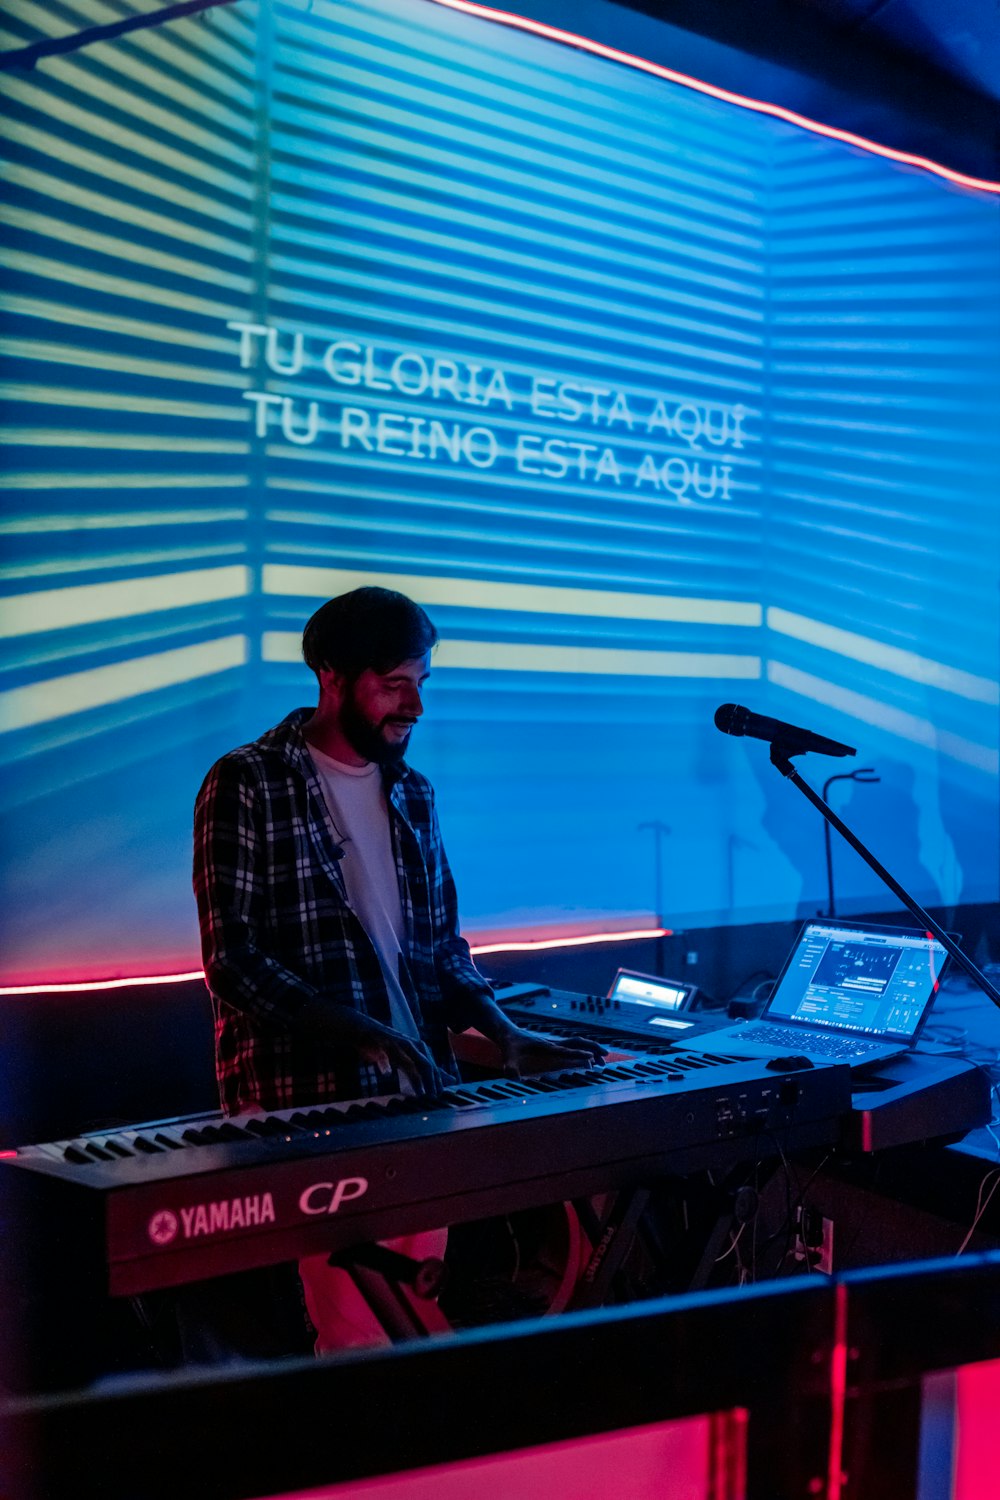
<point>219,1217</point>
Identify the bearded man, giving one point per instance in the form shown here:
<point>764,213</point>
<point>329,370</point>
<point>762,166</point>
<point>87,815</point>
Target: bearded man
<point>328,912</point>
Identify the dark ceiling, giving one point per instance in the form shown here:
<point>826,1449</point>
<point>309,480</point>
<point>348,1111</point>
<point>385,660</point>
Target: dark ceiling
<point>922,76</point>
<point>957,37</point>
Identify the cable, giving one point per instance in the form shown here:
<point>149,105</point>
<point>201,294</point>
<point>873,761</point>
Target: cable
<point>764,975</point>
<point>734,1241</point>
<point>982,1204</point>
<point>789,1214</point>
<point>946,1036</point>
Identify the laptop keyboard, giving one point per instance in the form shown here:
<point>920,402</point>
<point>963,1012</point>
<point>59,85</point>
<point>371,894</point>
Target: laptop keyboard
<point>826,1046</point>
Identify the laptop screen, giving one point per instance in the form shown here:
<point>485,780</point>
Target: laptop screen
<point>852,976</point>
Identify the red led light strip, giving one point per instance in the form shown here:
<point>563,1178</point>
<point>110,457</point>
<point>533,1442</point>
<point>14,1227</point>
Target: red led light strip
<point>533,945</point>
<point>757,106</point>
<point>83,986</point>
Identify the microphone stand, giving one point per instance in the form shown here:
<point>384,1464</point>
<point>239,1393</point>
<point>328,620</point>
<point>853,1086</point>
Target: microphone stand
<point>781,755</point>
<point>865,776</point>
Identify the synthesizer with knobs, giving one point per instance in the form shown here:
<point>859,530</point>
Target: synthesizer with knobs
<point>605,1017</point>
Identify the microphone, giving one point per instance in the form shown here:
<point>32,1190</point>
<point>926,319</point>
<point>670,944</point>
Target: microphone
<point>732,718</point>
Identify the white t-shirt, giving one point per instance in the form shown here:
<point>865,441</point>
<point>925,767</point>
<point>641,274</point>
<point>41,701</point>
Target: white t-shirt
<point>355,803</point>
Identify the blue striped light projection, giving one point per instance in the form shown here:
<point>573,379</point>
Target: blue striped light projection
<point>653,402</point>
<point>884,527</point>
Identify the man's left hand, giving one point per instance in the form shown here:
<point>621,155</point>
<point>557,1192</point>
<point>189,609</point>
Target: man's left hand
<point>524,1052</point>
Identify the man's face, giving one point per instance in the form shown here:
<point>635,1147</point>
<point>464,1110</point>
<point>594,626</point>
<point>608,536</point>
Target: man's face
<point>377,713</point>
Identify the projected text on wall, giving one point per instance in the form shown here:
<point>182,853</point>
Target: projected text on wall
<point>646,429</point>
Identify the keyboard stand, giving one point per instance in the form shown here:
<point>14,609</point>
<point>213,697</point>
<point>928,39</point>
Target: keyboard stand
<point>401,1292</point>
<point>612,1236</point>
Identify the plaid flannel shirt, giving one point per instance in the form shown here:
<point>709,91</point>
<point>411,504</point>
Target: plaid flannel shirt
<point>277,929</point>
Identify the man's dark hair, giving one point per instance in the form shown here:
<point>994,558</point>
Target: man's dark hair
<point>369,628</point>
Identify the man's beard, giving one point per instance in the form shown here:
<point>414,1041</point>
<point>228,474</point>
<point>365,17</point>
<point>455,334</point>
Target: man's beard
<point>366,738</point>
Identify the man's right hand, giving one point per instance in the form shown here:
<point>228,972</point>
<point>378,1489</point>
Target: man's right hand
<point>385,1050</point>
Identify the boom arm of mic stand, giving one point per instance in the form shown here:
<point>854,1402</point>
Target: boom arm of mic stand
<point>781,760</point>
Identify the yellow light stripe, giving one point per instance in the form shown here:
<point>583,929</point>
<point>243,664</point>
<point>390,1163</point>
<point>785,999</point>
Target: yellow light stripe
<point>78,692</point>
<point>116,286</point>
<point>66,315</point>
<point>888,658</point>
<point>87,562</point>
<point>54,437</point>
<point>50,227</point>
<point>518,498</point>
<point>83,604</point>
<point>203,54</point>
<point>523,598</point>
<point>505,656</point>
<point>593,661</point>
<point>62,651</point>
<point>40,18</point>
<point>120,364</point>
<point>79,159</point>
<point>114,520</point>
<point>91,400</point>
<point>66,479</point>
<point>186,104</point>
<point>879,715</point>
<point>104,128</point>
<point>47,185</point>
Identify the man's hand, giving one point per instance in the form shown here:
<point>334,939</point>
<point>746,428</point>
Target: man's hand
<point>384,1049</point>
<point>524,1052</point>
<point>387,1050</point>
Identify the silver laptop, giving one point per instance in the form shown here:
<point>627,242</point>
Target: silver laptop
<point>849,992</point>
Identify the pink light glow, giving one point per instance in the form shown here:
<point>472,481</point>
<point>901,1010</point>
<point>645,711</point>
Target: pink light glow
<point>81,986</point>
<point>644,1463</point>
<point>512,945</point>
<point>757,106</point>
<point>977,1393</point>
<point>838,1396</point>
<point>534,945</point>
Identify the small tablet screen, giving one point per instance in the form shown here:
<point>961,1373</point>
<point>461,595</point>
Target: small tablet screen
<point>647,989</point>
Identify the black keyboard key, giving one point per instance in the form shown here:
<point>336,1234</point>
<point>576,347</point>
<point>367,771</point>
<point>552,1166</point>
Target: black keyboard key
<point>356,1112</point>
<point>144,1144</point>
<point>261,1126</point>
<point>396,1107</point>
<point>167,1140</point>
